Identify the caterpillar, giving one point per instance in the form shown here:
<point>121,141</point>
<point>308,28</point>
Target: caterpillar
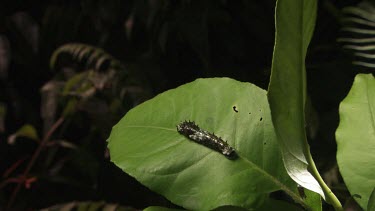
<point>193,132</point>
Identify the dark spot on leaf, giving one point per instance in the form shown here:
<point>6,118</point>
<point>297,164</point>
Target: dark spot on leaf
<point>280,195</point>
<point>301,191</point>
<point>235,109</point>
<point>249,112</point>
<point>261,119</point>
<point>357,196</point>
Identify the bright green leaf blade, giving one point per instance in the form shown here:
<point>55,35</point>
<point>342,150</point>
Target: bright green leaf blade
<point>295,21</point>
<point>146,145</point>
<point>355,138</point>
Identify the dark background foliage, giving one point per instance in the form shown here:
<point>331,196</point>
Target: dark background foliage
<point>161,44</point>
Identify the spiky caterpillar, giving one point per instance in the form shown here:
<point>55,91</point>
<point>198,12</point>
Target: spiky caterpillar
<point>193,132</point>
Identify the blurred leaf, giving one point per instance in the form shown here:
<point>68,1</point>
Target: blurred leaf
<point>29,29</point>
<point>5,56</point>
<point>272,204</point>
<point>357,33</point>
<point>50,93</point>
<point>192,23</point>
<point>92,57</point>
<point>61,23</point>
<point>295,21</point>
<point>78,85</point>
<point>88,206</point>
<point>100,80</point>
<point>27,131</point>
<point>23,31</point>
<point>371,201</point>
<point>355,138</point>
<point>3,112</point>
<point>82,88</point>
<point>70,107</point>
<point>146,145</point>
<point>155,208</point>
<point>66,144</point>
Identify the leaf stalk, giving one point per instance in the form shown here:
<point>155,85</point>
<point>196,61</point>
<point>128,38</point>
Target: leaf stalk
<point>330,197</point>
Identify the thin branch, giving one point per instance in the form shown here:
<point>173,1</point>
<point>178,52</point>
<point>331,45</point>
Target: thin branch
<point>34,158</point>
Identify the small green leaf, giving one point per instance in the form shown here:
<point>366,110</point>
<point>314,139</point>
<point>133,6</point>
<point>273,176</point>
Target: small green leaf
<point>146,145</point>
<point>355,138</point>
<point>27,131</point>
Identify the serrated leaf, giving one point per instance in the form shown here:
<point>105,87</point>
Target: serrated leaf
<point>355,138</point>
<point>295,21</point>
<point>146,145</point>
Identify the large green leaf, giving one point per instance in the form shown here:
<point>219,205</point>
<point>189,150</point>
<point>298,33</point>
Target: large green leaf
<point>356,138</point>
<point>295,21</point>
<point>146,145</point>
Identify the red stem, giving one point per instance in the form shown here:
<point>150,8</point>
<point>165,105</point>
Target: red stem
<point>13,167</point>
<point>33,159</point>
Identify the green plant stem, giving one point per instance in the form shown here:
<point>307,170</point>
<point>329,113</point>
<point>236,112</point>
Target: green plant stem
<point>330,197</point>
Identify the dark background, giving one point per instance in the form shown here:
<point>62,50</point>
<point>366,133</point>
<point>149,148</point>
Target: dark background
<point>161,44</point>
